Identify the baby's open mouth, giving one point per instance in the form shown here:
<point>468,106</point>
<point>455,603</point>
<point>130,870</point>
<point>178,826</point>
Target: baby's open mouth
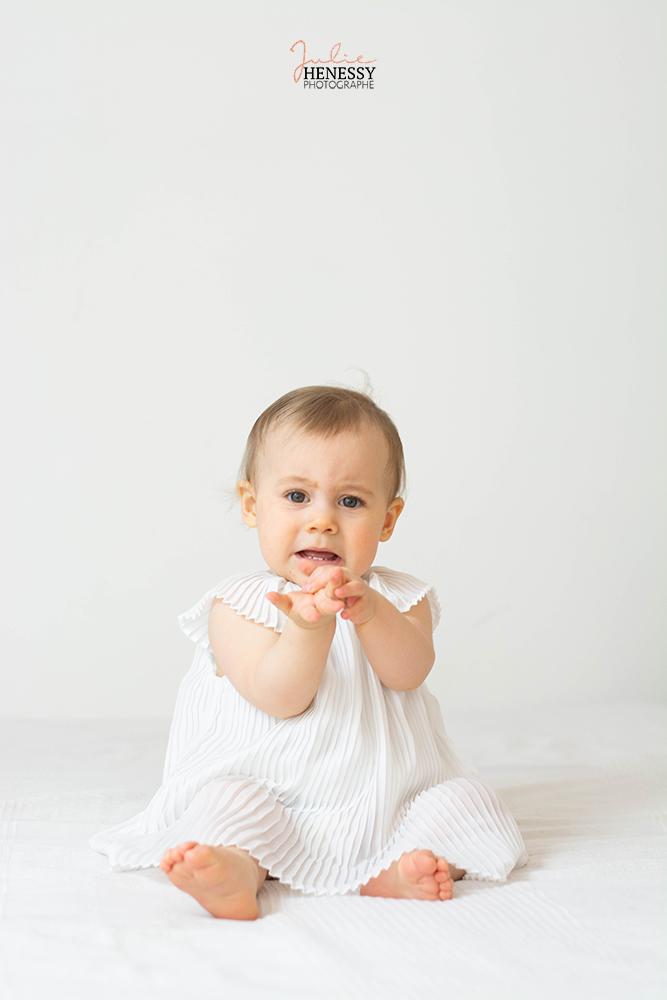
<point>319,555</point>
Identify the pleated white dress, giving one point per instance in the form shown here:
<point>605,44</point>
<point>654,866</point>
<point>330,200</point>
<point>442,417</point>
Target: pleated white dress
<point>327,799</point>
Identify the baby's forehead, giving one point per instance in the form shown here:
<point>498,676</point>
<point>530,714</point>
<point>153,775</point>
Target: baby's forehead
<point>358,452</point>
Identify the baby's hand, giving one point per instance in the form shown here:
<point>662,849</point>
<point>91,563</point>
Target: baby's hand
<point>338,582</point>
<point>309,611</point>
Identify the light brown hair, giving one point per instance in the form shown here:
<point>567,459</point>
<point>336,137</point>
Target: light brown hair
<point>326,410</point>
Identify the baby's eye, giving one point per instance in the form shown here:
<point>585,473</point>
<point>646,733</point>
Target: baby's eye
<point>298,492</point>
<point>358,499</point>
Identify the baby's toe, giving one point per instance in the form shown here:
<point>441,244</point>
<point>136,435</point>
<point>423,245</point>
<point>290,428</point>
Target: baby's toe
<point>200,856</point>
<point>443,880</point>
<point>446,890</point>
<point>419,865</point>
<point>187,845</point>
<point>169,858</point>
<point>175,854</point>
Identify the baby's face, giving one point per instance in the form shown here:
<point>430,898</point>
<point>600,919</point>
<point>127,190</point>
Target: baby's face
<point>320,493</point>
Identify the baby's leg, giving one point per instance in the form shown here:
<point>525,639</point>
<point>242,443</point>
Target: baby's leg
<point>225,880</point>
<point>416,875</point>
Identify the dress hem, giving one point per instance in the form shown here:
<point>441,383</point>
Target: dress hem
<point>351,887</point>
<point>459,819</point>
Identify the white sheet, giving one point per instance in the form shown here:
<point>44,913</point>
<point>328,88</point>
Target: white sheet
<point>586,918</point>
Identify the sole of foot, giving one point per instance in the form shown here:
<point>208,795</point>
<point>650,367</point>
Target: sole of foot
<point>416,875</point>
<point>222,879</point>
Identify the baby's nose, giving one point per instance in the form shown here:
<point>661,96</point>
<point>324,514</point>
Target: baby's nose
<point>323,519</point>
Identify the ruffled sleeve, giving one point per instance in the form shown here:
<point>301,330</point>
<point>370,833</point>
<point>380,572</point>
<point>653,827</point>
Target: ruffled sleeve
<point>246,594</point>
<point>404,590</point>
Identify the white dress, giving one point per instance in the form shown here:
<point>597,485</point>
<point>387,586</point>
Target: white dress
<point>327,799</point>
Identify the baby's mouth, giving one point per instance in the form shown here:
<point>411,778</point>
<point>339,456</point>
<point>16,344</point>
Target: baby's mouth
<point>318,556</point>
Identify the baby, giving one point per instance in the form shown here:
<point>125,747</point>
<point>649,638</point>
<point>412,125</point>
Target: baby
<point>305,746</point>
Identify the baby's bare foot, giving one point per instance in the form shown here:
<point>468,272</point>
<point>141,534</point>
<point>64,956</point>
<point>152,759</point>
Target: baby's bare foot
<point>416,875</point>
<point>224,880</point>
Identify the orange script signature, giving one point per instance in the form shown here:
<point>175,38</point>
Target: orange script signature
<point>335,48</point>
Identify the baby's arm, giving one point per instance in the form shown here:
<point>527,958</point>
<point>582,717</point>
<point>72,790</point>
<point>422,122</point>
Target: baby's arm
<point>399,645</point>
<point>277,672</point>
<point>291,671</point>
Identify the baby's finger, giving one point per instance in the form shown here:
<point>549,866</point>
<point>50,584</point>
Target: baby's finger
<point>353,588</point>
<point>316,580</point>
<point>280,601</point>
<point>304,606</point>
<point>323,575</point>
<point>351,601</point>
<point>328,604</point>
<point>307,606</point>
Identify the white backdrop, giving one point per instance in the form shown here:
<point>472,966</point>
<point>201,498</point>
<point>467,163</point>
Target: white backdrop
<point>187,235</point>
